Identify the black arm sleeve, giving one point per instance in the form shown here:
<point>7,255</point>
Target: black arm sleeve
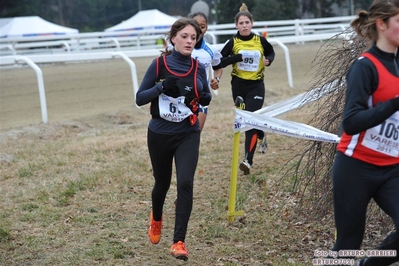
<point>148,90</point>
<point>228,58</point>
<point>268,50</point>
<point>362,80</point>
<point>227,48</point>
<point>225,61</point>
<point>218,66</point>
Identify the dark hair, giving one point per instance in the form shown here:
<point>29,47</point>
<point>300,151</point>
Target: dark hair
<point>365,23</point>
<point>200,14</point>
<point>243,12</point>
<point>180,24</point>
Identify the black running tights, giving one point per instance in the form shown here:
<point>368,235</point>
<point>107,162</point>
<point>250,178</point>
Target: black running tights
<point>355,183</point>
<point>184,149</point>
<point>253,94</point>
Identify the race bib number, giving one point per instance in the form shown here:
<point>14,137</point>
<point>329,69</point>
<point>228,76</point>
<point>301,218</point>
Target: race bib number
<point>173,109</point>
<point>251,60</point>
<point>384,138</point>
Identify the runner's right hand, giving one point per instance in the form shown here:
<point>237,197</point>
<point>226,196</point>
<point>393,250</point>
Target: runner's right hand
<point>170,83</point>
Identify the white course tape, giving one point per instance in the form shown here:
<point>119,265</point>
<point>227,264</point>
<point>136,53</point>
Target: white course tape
<point>246,120</point>
<point>264,119</point>
<point>297,101</point>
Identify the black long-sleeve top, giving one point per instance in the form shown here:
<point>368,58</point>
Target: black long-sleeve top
<point>362,81</point>
<point>149,90</point>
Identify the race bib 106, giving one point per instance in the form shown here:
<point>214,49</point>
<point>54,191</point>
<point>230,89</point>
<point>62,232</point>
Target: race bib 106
<point>384,138</point>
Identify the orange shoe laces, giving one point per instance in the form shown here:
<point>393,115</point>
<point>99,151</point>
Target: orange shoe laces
<point>156,227</point>
<point>180,246</point>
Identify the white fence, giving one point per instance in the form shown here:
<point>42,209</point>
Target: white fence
<point>83,43</point>
<point>284,30</point>
<point>108,45</point>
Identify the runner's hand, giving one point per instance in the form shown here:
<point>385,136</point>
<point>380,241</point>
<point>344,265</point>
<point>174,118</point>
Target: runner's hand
<point>214,84</point>
<point>169,86</point>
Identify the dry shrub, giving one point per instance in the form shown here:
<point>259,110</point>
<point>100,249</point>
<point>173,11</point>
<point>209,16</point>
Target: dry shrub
<point>311,167</point>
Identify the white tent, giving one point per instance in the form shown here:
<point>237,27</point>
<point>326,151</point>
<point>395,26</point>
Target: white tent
<point>4,21</point>
<point>33,26</point>
<point>145,20</point>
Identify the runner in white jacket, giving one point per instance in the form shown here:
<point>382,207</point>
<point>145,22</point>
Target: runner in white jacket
<point>210,57</point>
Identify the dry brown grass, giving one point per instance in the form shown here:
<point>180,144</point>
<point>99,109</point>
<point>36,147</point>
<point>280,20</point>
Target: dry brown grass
<point>76,191</point>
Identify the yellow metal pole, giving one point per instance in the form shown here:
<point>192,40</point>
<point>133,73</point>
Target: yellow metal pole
<point>234,166</point>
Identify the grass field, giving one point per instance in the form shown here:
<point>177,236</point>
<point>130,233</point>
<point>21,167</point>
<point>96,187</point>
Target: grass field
<point>76,191</point>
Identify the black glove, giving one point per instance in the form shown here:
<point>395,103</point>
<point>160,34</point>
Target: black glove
<point>170,87</point>
<point>205,99</point>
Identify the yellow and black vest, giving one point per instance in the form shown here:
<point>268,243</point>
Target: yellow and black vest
<point>252,66</point>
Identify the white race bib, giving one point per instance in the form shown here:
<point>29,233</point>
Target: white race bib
<point>173,109</point>
<point>384,138</point>
<point>251,60</point>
